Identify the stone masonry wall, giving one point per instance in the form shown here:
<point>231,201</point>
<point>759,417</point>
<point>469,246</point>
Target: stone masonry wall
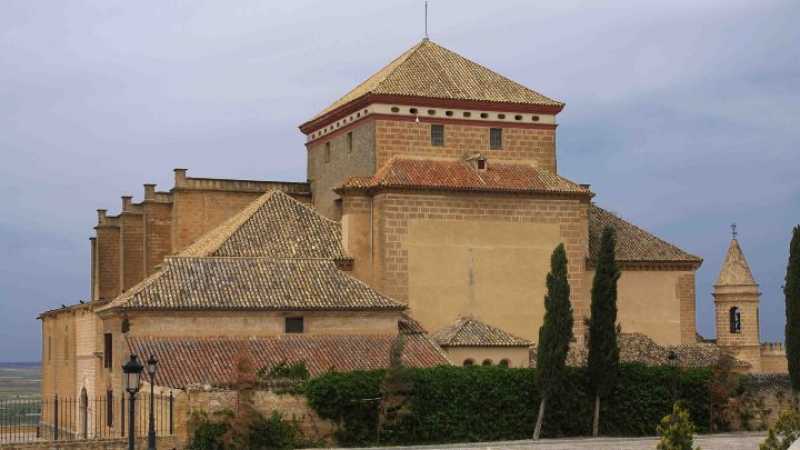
<point>163,443</point>
<point>326,172</point>
<point>157,233</point>
<point>108,259</point>
<point>686,296</point>
<point>408,138</point>
<point>292,407</point>
<point>394,212</point>
<point>131,248</point>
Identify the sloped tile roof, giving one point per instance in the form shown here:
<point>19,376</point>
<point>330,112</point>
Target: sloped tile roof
<point>209,360</point>
<point>633,243</point>
<point>276,226</point>
<point>214,283</point>
<point>442,174</point>
<point>735,271</point>
<point>430,70</point>
<point>469,332</point>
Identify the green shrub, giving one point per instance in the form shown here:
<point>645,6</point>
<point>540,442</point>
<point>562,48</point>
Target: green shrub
<point>785,431</point>
<point>456,404</point>
<point>259,433</point>
<point>676,430</point>
<point>206,432</point>
<point>351,400</point>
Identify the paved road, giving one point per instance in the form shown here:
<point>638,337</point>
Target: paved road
<point>731,441</point>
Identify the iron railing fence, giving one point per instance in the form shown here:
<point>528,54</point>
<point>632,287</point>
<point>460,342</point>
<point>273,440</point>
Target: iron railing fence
<point>84,418</point>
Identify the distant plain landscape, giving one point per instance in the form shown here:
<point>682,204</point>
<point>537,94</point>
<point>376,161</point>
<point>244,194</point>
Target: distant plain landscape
<point>20,381</point>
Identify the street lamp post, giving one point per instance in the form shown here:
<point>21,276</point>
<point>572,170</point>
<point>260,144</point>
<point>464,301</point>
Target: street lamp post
<point>672,357</point>
<point>152,368</point>
<point>133,373</point>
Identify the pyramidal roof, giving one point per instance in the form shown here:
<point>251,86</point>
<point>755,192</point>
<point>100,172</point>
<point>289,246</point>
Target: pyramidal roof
<point>735,270</point>
<point>273,226</point>
<point>470,332</point>
<point>430,70</point>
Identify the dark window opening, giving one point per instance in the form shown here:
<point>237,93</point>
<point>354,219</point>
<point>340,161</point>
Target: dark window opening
<point>495,138</point>
<point>412,110</point>
<point>395,109</point>
<point>431,112</point>
<point>481,164</point>
<point>467,114</point>
<point>484,115</point>
<point>535,118</point>
<point>349,142</point>
<point>735,320</point>
<point>294,324</point>
<point>327,152</point>
<point>110,408</point>
<point>518,117</point>
<point>487,362</point>
<point>107,350</point>
<point>501,116</point>
<point>504,363</point>
<point>469,363</point>
<point>437,135</point>
<point>448,113</point>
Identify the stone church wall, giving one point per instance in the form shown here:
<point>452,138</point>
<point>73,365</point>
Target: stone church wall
<point>534,143</point>
<point>449,254</point>
<point>328,171</point>
<point>658,303</point>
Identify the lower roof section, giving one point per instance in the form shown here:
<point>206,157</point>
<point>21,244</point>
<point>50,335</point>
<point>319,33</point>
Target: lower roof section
<point>465,175</point>
<point>185,361</point>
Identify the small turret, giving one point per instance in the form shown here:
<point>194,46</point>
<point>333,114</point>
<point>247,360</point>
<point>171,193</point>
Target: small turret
<point>736,299</point>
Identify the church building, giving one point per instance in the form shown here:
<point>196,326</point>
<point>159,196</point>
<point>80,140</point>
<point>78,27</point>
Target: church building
<point>432,204</point>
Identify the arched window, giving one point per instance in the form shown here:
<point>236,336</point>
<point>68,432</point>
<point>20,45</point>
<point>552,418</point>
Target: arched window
<point>504,363</point>
<point>735,320</point>
<point>487,362</point>
<point>469,362</point>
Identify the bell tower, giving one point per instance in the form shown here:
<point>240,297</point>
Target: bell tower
<point>736,299</point>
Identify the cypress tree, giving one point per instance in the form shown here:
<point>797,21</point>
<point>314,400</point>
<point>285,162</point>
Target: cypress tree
<point>791,290</point>
<point>555,333</point>
<point>603,363</point>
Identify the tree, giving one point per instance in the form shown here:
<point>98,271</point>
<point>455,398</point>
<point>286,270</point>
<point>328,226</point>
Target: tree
<point>603,362</point>
<point>676,430</point>
<point>555,334</point>
<point>791,290</point>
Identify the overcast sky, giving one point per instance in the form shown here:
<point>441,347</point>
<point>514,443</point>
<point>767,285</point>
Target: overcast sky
<point>683,115</point>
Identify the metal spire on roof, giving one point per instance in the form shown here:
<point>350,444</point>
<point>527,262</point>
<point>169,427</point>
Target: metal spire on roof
<point>733,230</point>
<point>426,20</point>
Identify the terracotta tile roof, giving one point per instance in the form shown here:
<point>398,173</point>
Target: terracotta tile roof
<point>469,332</point>
<point>633,243</point>
<point>275,225</point>
<point>209,360</point>
<point>442,174</point>
<point>430,70</point>
<point>252,284</point>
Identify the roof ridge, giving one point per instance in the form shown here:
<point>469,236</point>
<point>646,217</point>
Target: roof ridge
<point>379,77</point>
<point>505,78</point>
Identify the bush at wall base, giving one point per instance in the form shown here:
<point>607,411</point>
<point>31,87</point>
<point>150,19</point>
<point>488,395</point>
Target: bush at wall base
<point>456,404</point>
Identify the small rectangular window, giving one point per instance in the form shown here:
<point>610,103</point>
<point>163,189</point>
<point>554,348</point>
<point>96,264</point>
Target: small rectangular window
<point>495,138</point>
<point>107,350</point>
<point>109,408</point>
<point>327,152</point>
<point>294,324</point>
<point>437,135</point>
<point>349,142</point>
